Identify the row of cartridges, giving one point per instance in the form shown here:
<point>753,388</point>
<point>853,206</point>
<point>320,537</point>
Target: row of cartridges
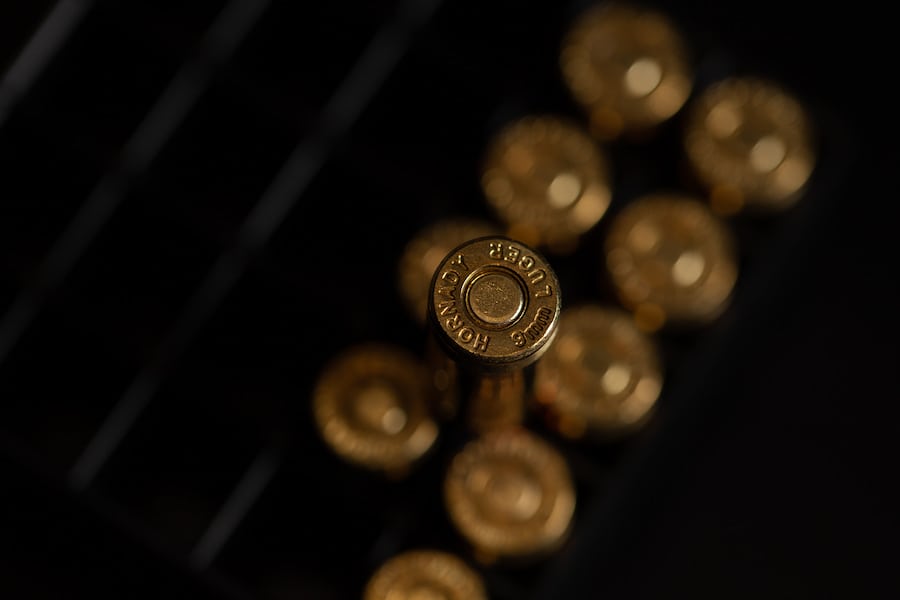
<point>503,347</point>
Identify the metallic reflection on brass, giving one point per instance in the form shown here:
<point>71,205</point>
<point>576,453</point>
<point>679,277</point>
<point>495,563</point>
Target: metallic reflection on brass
<point>498,401</point>
<point>493,400</point>
<point>602,376</point>
<point>424,252</point>
<point>510,495</point>
<point>444,381</point>
<point>628,66</point>
<point>370,405</point>
<point>493,309</point>
<point>494,304</point>
<point>547,180</point>
<point>671,261</point>
<point>425,575</point>
<point>750,143</point>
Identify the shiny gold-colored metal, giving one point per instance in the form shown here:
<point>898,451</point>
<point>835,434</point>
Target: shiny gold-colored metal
<point>424,252</point>
<point>493,310</point>
<point>671,261</point>
<point>444,380</point>
<point>629,66</point>
<point>425,574</point>
<point>750,143</point>
<point>510,494</point>
<point>371,407</point>
<point>547,180</point>
<point>494,304</point>
<point>494,400</point>
<point>602,376</point>
<point>497,401</point>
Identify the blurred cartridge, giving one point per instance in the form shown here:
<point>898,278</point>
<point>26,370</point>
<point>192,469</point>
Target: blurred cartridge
<point>510,495</point>
<point>425,574</point>
<point>628,66</point>
<point>547,180</point>
<point>671,261</point>
<point>370,404</point>
<point>750,144</point>
<point>601,378</point>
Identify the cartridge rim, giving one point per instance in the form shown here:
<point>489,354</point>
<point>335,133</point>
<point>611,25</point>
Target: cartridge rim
<point>671,261</point>
<point>547,179</point>
<point>370,406</point>
<point>510,494</point>
<point>422,255</point>
<point>750,143</point>
<point>630,67</point>
<point>494,327</point>
<point>425,573</point>
<point>601,378</point>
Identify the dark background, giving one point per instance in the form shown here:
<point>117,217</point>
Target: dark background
<point>171,284</point>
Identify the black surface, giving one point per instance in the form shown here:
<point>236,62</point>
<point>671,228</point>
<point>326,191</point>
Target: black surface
<point>768,473</point>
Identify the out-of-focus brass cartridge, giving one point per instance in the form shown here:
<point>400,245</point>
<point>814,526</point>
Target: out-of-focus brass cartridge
<point>629,66</point>
<point>671,261</point>
<point>547,180</point>
<point>750,143</point>
<point>510,495</point>
<point>425,574</point>
<point>371,407</point>
<point>493,310</point>
<point>602,376</point>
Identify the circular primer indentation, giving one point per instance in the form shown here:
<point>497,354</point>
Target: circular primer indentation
<point>481,318</point>
<point>496,297</point>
